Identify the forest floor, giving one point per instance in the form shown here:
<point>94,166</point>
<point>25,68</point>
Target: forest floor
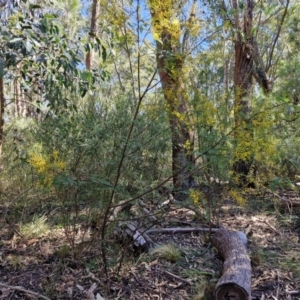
<point>42,265</point>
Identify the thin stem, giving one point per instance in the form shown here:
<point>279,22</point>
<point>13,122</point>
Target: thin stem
<point>123,155</point>
<point>269,64</point>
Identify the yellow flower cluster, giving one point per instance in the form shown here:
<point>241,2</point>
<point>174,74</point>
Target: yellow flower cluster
<point>47,167</point>
<point>38,162</point>
<point>164,19</point>
<point>187,146</point>
<point>237,197</point>
<point>207,111</point>
<point>196,196</point>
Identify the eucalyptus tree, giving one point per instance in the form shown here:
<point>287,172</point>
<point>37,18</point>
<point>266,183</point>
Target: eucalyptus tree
<point>40,59</point>
<point>256,57</point>
<point>172,30</point>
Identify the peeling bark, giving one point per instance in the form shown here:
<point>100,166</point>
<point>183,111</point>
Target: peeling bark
<point>1,111</point>
<point>95,13</point>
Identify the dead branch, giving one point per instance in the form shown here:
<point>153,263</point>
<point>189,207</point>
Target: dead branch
<point>148,213</point>
<point>269,63</point>
<point>289,202</point>
<point>180,230</point>
<point>178,278</point>
<point>19,288</point>
<point>116,210</point>
<point>294,292</point>
<point>272,227</point>
<point>190,207</point>
<point>13,228</point>
<point>140,236</point>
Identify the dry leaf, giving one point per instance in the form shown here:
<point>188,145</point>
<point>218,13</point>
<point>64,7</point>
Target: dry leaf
<point>98,297</point>
<point>70,291</point>
<point>90,295</point>
<point>80,287</point>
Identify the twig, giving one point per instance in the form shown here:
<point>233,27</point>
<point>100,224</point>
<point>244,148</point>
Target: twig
<point>19,288</point>
<point>272,227</point>
<point>177,277</point>
<point>14,229</point>
<point>294,292</point>
<point>90,274</point>
<point>269,63</point>
<point>180,230</point>
<point>105,217</point>
<point>147,211</point>
<point>278,232</point>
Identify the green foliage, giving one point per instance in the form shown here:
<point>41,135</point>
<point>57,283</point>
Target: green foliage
<point>47,60</point>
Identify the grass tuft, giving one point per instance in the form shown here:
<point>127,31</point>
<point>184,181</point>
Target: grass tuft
<point>168,252</point>
<point>36,228</point>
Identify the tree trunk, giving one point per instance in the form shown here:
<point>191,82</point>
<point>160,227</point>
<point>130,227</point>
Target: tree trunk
<point>170,60</point>
<point>1,106</point>
<point>235,282</point>
<point>95,14</point>
<point>242,159</point>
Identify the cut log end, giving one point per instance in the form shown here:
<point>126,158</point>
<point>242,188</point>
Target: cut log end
<point>231,291</point>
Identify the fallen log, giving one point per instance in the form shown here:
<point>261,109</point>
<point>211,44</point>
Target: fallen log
<point>235,283</point>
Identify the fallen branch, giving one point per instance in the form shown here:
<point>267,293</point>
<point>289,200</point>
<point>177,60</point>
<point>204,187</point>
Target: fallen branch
<point>19,288</point>
<point>116,210</point>
<point>180,230</point>
<point>294,292</point>
<point>13,228</point>
<point>147,212</point>
<point>91,275</point>
<point>289,203</point>
<point>199,213</point>
<point>140,236</point>
<point>272,227</point>
<point>177,277</point>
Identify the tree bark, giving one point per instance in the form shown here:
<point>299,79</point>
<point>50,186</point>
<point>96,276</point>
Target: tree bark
<point>1,107</point>
<point>170,61</point>
<point>235,282</point>
<point>242,86</point>
<point>95,13</point>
